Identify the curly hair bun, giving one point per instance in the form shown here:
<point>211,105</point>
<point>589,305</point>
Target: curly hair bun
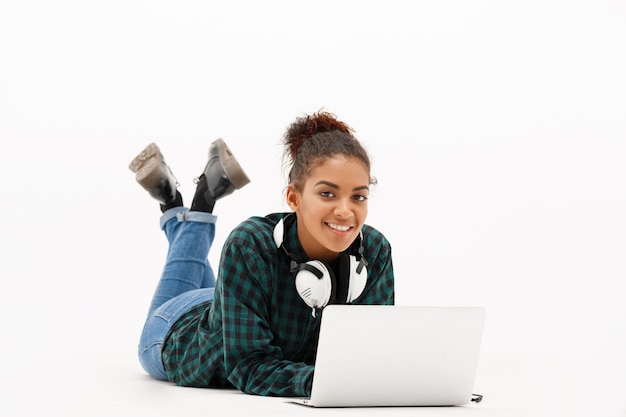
<point>305,127</point>
<point>311,139</point>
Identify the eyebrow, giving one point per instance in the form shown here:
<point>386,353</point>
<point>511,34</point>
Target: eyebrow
<point>336,187</point>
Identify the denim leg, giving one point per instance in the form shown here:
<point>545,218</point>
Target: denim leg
<point>187,280</point>
<point>160,322</point>
<point>190,235</point>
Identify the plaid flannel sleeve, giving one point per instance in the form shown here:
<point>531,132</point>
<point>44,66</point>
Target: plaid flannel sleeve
<point>253,364</point>
<point>380,288</point>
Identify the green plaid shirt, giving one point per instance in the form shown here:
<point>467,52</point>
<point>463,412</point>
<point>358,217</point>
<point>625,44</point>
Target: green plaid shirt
<point>258,335</point>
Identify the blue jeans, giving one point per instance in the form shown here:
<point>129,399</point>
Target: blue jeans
<point>186,281</point>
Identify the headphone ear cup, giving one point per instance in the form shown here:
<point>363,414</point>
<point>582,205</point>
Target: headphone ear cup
<point>314,283</point>
<point>357,279</point>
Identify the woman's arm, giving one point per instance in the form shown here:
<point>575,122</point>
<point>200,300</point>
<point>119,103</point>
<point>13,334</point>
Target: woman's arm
<point>380,285</point>
<point>253,362</point>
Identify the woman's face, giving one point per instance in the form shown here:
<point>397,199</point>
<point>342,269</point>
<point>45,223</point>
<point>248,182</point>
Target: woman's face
<point>331,207</point>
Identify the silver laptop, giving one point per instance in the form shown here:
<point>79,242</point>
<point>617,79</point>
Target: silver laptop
<point>372,356</point>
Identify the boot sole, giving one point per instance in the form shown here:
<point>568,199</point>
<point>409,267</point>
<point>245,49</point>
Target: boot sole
<point>236,174</point>
<point>148,166</point>
<point>147,153</point>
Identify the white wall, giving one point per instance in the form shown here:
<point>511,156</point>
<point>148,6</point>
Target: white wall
<point>496,130</point>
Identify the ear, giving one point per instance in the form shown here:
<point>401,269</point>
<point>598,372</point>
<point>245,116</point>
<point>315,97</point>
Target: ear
<point>293,197</point>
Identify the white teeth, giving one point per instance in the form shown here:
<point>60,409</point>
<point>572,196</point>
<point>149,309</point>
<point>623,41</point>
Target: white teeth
<point>339,228</point>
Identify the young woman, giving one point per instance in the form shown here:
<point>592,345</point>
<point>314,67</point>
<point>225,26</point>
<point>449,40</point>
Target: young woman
<point>256,327</point>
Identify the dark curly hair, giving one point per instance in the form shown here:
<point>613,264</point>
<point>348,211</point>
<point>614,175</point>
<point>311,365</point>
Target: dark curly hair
<point>311,139</point>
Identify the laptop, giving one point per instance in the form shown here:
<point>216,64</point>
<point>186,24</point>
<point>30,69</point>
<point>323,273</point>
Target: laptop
<point>377,356</point>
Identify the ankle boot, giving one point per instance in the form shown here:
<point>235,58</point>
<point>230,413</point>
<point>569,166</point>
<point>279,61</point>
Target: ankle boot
<point>222,175</point>
<point>154,175</point>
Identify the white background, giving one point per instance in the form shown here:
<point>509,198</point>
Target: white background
<point>496,129</point>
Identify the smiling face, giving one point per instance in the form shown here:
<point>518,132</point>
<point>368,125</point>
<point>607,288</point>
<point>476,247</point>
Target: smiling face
<point>331,206</point>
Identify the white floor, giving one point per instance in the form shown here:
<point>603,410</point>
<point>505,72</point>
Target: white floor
<point>111,384</point>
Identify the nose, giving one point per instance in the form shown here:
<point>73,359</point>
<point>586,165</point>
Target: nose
<point>342,210</point>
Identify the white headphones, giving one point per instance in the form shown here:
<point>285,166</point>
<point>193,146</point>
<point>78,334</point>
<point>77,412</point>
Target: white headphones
<point>318,283</point>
